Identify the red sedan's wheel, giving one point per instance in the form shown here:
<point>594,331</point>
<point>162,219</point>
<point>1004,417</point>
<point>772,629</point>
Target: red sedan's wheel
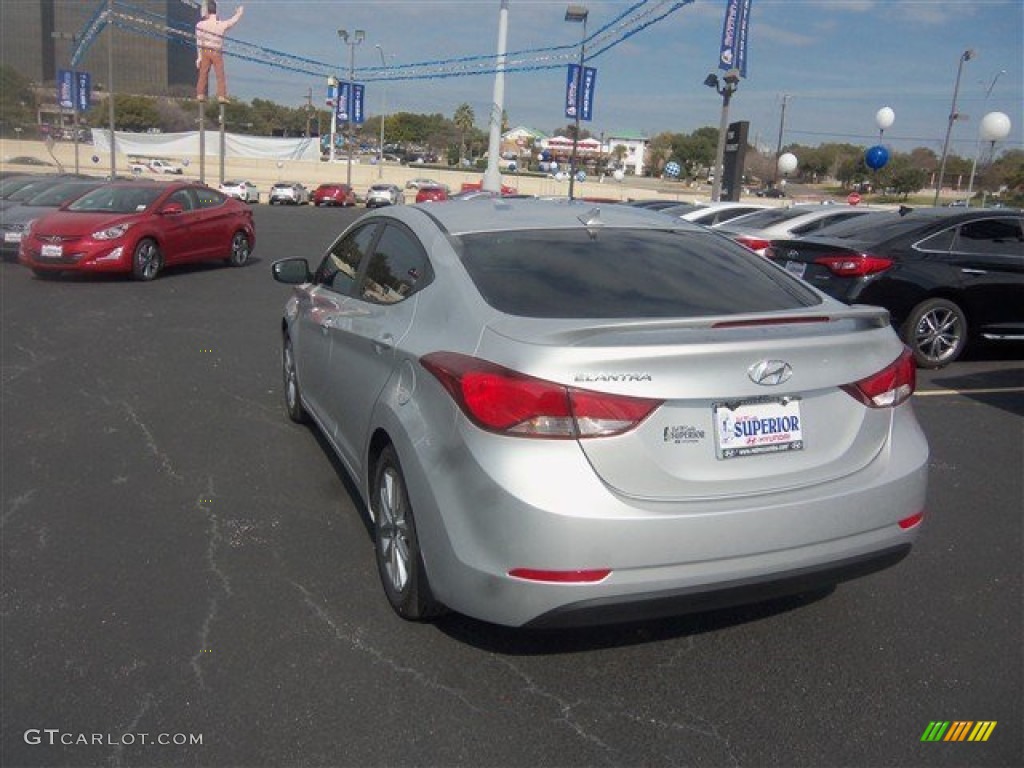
<point>146,260</point>
<point>240,250</point>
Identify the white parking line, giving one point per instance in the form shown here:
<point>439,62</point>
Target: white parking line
<point>989,391</point>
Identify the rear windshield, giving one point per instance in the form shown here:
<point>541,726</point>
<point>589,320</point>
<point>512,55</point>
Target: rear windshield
<point>619,273</point>
<point>766,218</point>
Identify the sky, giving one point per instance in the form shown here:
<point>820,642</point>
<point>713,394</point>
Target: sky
<point>832,63</point>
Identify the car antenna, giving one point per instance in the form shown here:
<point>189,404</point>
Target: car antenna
<point>592,218</point>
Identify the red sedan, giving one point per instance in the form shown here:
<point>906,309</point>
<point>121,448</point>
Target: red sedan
<point>433,194</point>
<point>334,194</point>
<point>139,227</point>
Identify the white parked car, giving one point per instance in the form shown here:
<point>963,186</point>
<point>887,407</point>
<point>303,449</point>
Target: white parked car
<point>710,214</point>
<point>757,230</point>
<point>245,191</point>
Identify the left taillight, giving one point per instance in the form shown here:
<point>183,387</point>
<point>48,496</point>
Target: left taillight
<point>854,264</point>
<point>889,387</point>
<point>758,245</point>
<point>501,400</point>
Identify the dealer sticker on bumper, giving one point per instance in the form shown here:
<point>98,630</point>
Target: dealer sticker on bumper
<point>762,426</point>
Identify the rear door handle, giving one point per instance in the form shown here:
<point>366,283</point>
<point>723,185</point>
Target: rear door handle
<point>970,271</point>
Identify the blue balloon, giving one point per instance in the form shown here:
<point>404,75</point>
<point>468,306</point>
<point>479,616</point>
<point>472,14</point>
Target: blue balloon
<point>672,169</point>
<point>581,176</point>
<point>876,157</point>
<point>545,156</point>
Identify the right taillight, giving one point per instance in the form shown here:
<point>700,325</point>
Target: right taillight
<point>890,386</point>
<point>854,264</point>
<point>501,400</point>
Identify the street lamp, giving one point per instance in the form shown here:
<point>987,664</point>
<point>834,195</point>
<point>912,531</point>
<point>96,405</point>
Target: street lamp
<point>577,13</point>
<point>953,117</point>
<point>977,150</point>
<point>355,40</point>
<point>383,109</point>
<point>725,89</point>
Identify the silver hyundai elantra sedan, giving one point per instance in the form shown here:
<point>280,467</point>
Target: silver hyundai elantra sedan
<point>560,413</point>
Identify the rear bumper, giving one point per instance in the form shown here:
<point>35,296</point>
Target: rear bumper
<point>677,602</point>
<point>484,509</point>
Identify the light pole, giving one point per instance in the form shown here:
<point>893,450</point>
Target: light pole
<point>332,86</point>
<point>491,181</point>
<point>977,150</point>
<point>383,109</point>
<point>577,13</point>
<point>355,40</point>
<point>725,89</point>
<point>953,117</point>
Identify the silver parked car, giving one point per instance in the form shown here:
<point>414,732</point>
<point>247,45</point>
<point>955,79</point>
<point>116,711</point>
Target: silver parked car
<point>384,194</point>
<point>558,413</point>
<point>288,193</point>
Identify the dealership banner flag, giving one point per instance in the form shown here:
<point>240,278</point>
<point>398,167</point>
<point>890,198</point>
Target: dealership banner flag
<point>579,96</point>
<point>83,91</point>
<point>342,105</point>
<point>74,90</point>
<point>66,89</point>
<point>350,96</point>
<point>358,116</point>
<point>733,53</point>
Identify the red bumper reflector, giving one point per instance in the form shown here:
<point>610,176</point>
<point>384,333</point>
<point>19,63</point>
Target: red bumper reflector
<point>561,577</point>
<point>910,522</point>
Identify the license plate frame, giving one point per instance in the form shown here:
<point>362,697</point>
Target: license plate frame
<point>796,268</point>
<point>757,427</point>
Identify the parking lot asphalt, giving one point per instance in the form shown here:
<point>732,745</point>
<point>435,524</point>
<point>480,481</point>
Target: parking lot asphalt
<point>182,564</point>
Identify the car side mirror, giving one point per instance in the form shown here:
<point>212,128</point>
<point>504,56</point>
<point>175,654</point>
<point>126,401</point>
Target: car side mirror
<point>293,271</point>
<point>172,209</point>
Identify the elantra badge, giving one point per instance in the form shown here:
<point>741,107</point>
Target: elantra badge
<point>770,373</point>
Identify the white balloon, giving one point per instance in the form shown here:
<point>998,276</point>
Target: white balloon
<point>787,162</point>
<point>618,175</point>
<point>995,126</point>
<point>885,117</point>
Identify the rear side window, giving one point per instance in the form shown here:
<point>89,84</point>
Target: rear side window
<point>619,273</point>
<point>994,236</point>
<point>208,198</point>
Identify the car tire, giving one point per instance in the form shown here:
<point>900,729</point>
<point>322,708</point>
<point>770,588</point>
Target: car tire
<point>399,561</point>
<point>239,250</point>
<point>292,391</point>
<point>146,260</point>
<point>936,332</point>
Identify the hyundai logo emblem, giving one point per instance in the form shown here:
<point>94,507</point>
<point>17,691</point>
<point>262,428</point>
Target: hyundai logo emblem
<point>770,373</point>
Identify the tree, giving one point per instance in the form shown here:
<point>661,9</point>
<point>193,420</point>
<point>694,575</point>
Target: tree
<point>464,120</point>
<point>17,101</point>
<point>131,113</point>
